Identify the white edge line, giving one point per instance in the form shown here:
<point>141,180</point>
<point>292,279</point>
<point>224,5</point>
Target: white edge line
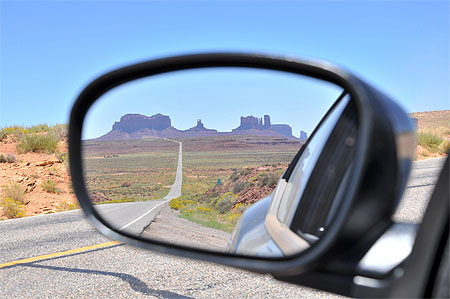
<point>142,216</point>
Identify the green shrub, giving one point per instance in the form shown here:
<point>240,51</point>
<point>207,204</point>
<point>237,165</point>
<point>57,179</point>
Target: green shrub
<point>176,204</point>
<point>12,208</point>
<point>59,131</point>
<point>38,128</point>
<point>428,140</point>
<point>53,170</point>
<point>62,157</point>
<point>15,192</point>
<point>245,171</point>
<point>50,186</point>
<point>38,143</point>
<point>225,203</point>
<point>267,179</point>
<point>209,197</point>
<point>444,146</point>
<point>10,158</point>
<point>240,208</point>
<point>67,206</point>
<point>126,184</point>
<point>3,135</point>
<point>272,181</point>
<point>14,130</point>
<point>234,176</point>
<point>239,186</point>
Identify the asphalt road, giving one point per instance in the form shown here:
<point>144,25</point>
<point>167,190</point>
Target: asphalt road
<point>117,270</point>
<point>133,217</point>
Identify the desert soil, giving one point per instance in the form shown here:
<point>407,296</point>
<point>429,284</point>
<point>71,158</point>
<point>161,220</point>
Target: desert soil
<point>29,171</point>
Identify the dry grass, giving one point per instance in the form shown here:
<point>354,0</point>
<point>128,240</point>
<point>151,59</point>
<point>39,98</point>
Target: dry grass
<point>12,208</point>
<point>38,143</point>
<point>50,186</point>
<point>433,133</point>
<point>14,191</point>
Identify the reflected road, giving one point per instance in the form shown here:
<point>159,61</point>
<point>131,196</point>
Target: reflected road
<point>134,217</point>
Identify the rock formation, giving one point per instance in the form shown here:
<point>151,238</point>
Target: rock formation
<point>250,123</point>
<point>130,123</point>
<point>285,130</point>
<point>136,126</point>
<point>267,122</point>
<point>253,123</point>
<point>199,129</point>
<point>303,135</point>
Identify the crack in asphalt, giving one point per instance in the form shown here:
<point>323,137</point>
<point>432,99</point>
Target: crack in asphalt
<point>418,186</point>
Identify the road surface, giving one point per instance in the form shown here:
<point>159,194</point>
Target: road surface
<point>133,217</point>
<point>55,256</point>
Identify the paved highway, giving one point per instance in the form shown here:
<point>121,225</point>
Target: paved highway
<point>61,255</point>
<point>133,217</point>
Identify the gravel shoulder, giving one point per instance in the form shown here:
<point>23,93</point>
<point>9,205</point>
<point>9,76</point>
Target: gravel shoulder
<point>167,226</point>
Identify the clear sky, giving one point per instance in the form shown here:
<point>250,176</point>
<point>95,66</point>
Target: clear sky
<point>50,50</point>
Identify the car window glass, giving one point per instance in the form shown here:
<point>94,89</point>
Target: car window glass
<point>305,164</point>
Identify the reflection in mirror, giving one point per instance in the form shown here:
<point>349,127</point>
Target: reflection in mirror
<point>181,157</point>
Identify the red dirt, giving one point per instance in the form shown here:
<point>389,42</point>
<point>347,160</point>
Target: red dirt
<point>29,171</point>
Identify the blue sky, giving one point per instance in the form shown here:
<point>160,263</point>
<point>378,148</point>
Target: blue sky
<point>50,50</point>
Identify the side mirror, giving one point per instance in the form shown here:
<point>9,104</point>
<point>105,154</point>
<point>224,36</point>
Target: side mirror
<point>136,170</point>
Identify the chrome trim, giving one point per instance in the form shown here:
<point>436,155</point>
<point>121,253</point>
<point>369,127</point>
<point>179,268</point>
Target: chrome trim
<point>289,242</point>
<point>392,248</point>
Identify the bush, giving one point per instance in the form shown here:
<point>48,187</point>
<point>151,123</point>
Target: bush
<point>12,208</point>
<point>38,128</point>
<point>245,171</point>
<point>62,157</point>
<point>225,203</point>
<point>14,130</point>
<point>234,176</point>
<point>10,158</point>
<point>240,208</point>
<point>268,180</point>
<point>3,136</point>
<point>176,204</point>
<point>126,184</point>
<point>239,186</point>
<point>38,143</point>
<point>209,197</point>
<point>50,186</point>
<point>67,206</point>
<point>59,131</point>
<point>15,192</point>
<point>445,146</point>
<point>272,181</point>
<point>428,140</point>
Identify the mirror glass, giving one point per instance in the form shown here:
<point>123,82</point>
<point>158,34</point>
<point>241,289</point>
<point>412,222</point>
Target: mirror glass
<point>193,157</point>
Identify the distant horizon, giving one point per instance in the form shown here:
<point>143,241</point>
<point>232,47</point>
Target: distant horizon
<point>66,123</point>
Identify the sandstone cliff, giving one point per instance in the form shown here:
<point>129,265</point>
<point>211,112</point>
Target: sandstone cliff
<point>136,126</point>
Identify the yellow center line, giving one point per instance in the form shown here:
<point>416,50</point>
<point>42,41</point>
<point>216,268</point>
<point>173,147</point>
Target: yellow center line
<point>56,254</point>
